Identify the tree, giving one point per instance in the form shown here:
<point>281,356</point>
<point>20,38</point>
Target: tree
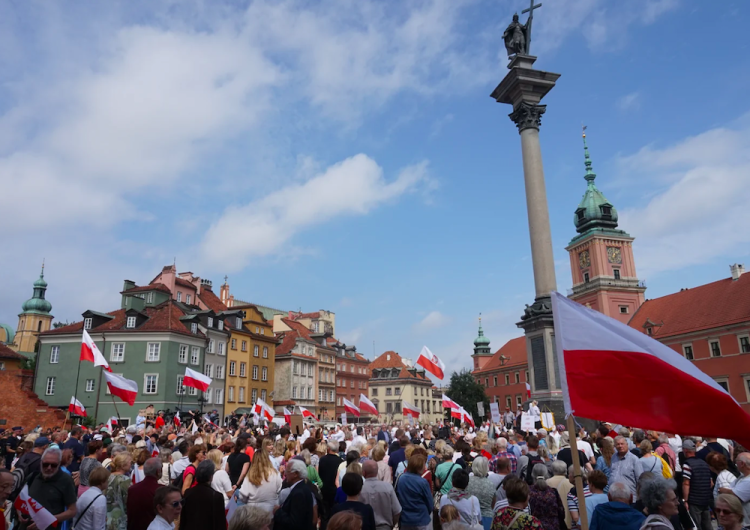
<point>464,390</point>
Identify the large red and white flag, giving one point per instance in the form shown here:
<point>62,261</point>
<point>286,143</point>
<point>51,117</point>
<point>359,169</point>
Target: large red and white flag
<point>448,403</point>
<point>458,413</point>
<point>666,392</point>
<point>90,352</point>
<point>195,379</point>
<point>76,407</point>
<point>31,508</point>
<point>125,389</point>
<point>430,362</point>
<point>528,391</point>
<point>365,405</point>
<point>261,408</point>
<point>351,408</point>
<point>410,410</point>
<point>287,416</point>
<point>306,413</point>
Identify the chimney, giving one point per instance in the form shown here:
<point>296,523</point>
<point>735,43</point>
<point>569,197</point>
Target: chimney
<point>738,270</point>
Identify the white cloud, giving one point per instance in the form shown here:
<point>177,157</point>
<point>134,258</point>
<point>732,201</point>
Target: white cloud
<point>696,212</point>
<point>354,186</point>
<point>433,320</point>
<point>630,101</point>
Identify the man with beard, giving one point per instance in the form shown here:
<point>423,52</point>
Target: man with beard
<point>53,489</point>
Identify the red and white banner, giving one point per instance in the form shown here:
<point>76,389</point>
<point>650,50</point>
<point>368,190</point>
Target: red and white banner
<point>155,452</point>
<point>365,405</point>
<point>262,409</point>
<point>90,352</point>
<point>468,419</point>
<point>666,392</point>
<point>195,379</point>
<point>287,416</point>
<point>448,403</point>
<point>176,419</point>
<point>430,362</point>
<point>125,389</point>
<point>76,407</point>
<point>351,408</point>
<point>110,422</point>
<point>528,391</point>
<point>208,420</point>
<point>31,508</point>
<point>306,413</point>
<point>410,410</point>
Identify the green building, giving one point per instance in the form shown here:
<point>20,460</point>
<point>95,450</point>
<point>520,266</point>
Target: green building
<point>150,340</point>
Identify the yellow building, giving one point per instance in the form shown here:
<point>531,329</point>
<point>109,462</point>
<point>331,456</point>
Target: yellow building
<point>250,359</point>
<point>34,319</point>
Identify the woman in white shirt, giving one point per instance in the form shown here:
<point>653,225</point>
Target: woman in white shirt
<point>262,484</point>
<point>92,505</point>
<point>221,482</point>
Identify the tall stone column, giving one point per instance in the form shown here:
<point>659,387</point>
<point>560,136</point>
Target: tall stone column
<point>523,88</point>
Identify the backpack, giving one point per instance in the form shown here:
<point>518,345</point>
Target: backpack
<point>180,480</point>
<point>24,474</point>
<point>666,469</point>
<point>533,460</point>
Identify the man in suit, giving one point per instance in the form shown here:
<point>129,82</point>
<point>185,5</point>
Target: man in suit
<point>384,434</point>
<point>140,505</point>
<point>204,506</point>
<point>296,512</point>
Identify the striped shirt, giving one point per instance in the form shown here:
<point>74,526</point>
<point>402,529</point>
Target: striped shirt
<point>573,498</point>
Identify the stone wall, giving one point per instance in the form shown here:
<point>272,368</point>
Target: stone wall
<point>20,406</point>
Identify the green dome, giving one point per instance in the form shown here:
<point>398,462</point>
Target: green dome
<point>481,343</point>
<point>594,211</point>
<point>40,282</point>
<point>37,303</point>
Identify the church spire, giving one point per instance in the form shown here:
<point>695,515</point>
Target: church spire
<point>590,175</point>
<point>481,343</point>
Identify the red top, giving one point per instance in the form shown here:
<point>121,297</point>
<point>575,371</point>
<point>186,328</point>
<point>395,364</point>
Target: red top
<point>159,422</point>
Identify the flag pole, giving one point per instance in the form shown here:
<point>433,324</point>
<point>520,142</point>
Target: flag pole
<point>118,412</point>
<point>98,393</point>
<point>78,375</point>
<point>577,474</point>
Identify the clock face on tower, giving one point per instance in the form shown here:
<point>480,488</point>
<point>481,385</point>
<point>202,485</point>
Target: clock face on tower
<point>614,254</point>
<point>584,259</point>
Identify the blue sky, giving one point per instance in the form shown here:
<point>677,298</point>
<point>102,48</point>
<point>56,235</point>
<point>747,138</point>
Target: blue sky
<point>347,155</point>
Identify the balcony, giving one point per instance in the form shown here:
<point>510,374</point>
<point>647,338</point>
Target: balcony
<point>606,283</point>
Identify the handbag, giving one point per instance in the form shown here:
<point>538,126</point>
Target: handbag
<point>78,519</point>
<point>439,494</point>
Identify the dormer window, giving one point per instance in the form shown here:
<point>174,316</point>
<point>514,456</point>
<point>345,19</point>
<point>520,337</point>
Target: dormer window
<point>580,213</point>
<point>130,323</point>
<point>150,298</point>
<point>221,325</point>
<point>606,211</point>
<point>86,323</point>
<point>194,328</point>
<point>210,320</point>
<point>239,323</point>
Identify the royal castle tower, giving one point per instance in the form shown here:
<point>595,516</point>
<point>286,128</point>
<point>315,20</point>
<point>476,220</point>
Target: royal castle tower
<point>34,319</point>
<point>482,353</point>
<point>601,255</point>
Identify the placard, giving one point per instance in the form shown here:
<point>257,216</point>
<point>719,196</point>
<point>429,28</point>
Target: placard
<point>343,418</point>
<point>295,424</point>
<point>480,409</point>
<point>495,411</point>
<point>527,422</point>
<point>548,421</point>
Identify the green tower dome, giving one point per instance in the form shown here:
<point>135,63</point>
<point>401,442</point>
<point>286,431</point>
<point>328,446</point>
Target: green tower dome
<point>594,211</point>
<point>481,343</point>
<point>37,303</point>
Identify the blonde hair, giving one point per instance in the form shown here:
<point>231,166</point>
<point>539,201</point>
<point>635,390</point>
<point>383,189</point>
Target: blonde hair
<point>408,451</point>
<point>215,456</point>
<point>279,447</point>
<point>261,468</point>
<point>378,453</point>
<point>354,467</point>
<point>122,462</point>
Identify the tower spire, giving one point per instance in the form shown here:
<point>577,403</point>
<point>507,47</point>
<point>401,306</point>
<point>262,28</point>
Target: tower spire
<point>590,175</point>
<point>42,274</point>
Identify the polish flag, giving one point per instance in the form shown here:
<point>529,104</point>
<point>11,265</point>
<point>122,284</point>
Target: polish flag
<point>351,408</point>
<point>195,379</point>
<point>458,413</point>
<point>528,391</point>
<point>366,405</point>
<point>208,420</point>
<point>176,419</point>
<point>31,508</point>
<point>469,420</point>
<point>287,416</point>
<point>430,362</point>
<point>110,422</point>
<point>155,452</point>
<point>410,410</point>
<point>306,413</point>
<point>667,392</point>
<point>448,403</point>
<point>89,352</point>
<point>125,389</point>
<point>262,408</point>
<point>76,407</point>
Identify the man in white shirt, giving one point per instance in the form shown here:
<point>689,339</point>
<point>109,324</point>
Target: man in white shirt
<point>359,439</point>
<point>587,450</point>
<point>338,435</point>
<point>536,414</point>
<point>741,486</point>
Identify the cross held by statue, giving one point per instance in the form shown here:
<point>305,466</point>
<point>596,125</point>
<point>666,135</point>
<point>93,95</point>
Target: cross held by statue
<point>531,8</point>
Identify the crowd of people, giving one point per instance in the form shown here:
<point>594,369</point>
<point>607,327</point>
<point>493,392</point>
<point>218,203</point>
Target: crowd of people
<point>246,476</point>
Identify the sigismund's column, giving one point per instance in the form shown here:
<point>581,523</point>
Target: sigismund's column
<point>523,88</point>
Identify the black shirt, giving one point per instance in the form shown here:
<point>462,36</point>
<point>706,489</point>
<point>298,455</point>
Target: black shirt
<point>364,510</point>
<point>327,468</point>
<point>236,462</point>
<point>567,456</point>
<point>55,493</point>
<point>77,448</point>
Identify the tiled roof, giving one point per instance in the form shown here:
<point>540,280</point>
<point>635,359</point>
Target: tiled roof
<point>150,287</point>
<point>164,317</point>
<point>316,314</point>
<point>515,355</point>
<point>395,361</point>
<point>705,307</point>
<point>289,339</point>
<point>7,353</point>
<point>184,283</point>
<point>299,328</point>
<point>212,301</point>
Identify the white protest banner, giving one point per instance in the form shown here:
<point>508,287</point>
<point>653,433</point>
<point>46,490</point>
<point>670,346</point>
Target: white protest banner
<point>548,420</point>
<point>343,418</point>
<point>480,409</point>
<point>495,411</point>
<point>527,422</point>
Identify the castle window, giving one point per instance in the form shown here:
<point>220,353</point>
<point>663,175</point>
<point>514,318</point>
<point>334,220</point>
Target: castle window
<point>580,214</point>
<point>687,349</point>
<point>624,309</point>
<point>606,211</point>
<point>586,277</point>
<point>715,348</point>
<point>617,274</point>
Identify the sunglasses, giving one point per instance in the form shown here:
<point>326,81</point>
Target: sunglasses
<point>175,504</point>
<point>53,466</point>
<point>720,511</point>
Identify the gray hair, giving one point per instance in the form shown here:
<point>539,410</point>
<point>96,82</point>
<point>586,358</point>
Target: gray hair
<point>152,467</point>
<point>744,458</point>
<point>540,474</point>
<point>305,454</point>
<point>502,444</point>
<point>333,445</point>
<point>619,491</point>
<point>559,468</point>
<point>447,451</point>
<point>620,437</point>
<point>654,493</point>
<point>116,449</point>
<point>205,472</point>
<point>480,467</point>
<point>571,472</point>
<point>249,517</point>
<point>663,438</point>
<point>53,451</point>
<point>297,466</point>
